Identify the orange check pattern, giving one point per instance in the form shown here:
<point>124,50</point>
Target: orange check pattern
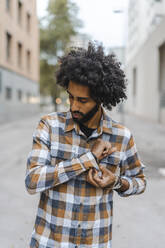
<point>72,212</point>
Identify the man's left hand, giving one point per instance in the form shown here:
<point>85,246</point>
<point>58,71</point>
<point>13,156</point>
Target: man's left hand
<point>106,180</point>
<point>90,178</point>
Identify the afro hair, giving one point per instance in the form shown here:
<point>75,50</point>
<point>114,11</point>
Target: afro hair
<point>91,67</point>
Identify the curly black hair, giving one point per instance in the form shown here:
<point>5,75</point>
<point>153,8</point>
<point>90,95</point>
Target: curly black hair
<point>91,67</point>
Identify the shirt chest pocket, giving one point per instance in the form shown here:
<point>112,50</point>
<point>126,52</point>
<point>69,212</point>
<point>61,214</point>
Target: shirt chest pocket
<point>58,154</point>
<point>112,162</point>
<point>64,152</point>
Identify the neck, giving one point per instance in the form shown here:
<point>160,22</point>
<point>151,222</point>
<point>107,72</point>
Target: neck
<point>95,120</point>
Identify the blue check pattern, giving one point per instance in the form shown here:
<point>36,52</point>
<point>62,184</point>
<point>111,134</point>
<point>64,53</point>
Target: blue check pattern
<point>72,212</point>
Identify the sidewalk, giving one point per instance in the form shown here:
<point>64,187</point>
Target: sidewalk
<point>139,221</point>
<point>150,141</point>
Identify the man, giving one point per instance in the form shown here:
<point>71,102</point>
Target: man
<point>76,156</point>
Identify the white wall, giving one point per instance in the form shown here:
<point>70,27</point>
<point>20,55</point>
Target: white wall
<point>144,16</point>
<point>147,99</point>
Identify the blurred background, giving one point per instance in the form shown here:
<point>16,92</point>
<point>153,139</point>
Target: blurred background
<point>32,36</point>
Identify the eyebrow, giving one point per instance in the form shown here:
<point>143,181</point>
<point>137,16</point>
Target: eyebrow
<point>85,98</point>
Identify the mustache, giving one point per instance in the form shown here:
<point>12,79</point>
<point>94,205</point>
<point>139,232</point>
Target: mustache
<point>77,112</point>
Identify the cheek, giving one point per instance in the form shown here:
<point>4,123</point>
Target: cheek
<point>88,107</point>
<point>84,108</point>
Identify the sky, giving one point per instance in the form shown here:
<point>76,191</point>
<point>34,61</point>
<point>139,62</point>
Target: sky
<point>100,19</point>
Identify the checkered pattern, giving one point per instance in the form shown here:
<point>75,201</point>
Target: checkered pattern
<point>71,211</point>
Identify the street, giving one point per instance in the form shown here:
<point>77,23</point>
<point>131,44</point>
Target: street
<point>139,221</point>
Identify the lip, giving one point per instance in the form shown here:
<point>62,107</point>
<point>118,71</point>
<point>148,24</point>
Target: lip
<point>76,115</point>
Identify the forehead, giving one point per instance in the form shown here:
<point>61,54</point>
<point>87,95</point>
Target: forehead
<point>78,90</point>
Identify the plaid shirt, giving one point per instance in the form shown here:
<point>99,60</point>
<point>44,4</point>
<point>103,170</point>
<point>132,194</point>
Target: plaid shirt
<point>72,212</point>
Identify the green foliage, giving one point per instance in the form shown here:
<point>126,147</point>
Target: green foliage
<point>46,77</point>
<point>56,30</point>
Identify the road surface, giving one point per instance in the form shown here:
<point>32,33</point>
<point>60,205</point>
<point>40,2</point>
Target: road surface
<point>139,221</point>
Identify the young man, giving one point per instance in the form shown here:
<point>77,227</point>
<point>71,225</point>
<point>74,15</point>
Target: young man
<point>76,156</point>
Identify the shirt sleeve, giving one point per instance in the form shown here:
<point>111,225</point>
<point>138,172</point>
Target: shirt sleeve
<point>132,170</point>
<point>41,174</point>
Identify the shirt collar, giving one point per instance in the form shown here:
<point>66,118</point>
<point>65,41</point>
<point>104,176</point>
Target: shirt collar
<point>105,123</point>
<point>69,124</point>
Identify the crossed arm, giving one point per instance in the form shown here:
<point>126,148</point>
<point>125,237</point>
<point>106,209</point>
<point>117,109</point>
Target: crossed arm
<point>42,175</point>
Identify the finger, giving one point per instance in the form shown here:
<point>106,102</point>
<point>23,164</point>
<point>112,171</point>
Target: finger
<point>94,183</point>
<point>108,146</point>
<point>105,171</point>
<point>105,151</point>
<point>108,150</point>
<point>97,174</point>
<point>104,181</point>
<point>113,149</point>
<point>99,181</point>
<point>90,178</point>
<point>96,178</point>
<point>90,174</point>
<point>105,155</point>
<point>94,170</point>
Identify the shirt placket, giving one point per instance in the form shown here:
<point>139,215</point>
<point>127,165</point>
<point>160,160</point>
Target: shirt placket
<point>79,226</point>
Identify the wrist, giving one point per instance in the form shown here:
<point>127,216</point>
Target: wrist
<point>117,183</point>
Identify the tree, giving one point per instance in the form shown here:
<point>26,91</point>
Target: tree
<point>56,29</point>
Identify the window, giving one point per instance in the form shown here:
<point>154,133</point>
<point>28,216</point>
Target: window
<point>0,82</point>
<point>8,5</point>
<point>161,68</point>
<point>19,12</point>
<point>8,93</point>
<point>28,22</point>
<point>8,46</point>
<point>28,60</point>
<point>28,97</point>
<point>19,54</point>
<point>134,81</point>
<point>19,94</point>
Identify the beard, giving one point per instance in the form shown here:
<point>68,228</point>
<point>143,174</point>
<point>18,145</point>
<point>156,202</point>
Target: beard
<point>85,117</point>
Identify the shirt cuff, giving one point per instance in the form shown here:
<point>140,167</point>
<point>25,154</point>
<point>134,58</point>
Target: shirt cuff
<point>129,191</point>
<point>88,161</point>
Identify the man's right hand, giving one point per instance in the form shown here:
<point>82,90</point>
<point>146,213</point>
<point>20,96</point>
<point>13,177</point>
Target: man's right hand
<point>102,148</point>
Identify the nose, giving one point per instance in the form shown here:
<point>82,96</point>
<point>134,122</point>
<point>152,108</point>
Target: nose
<point>74,105</point>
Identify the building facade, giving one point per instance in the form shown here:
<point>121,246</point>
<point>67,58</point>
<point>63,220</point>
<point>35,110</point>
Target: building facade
<point>144,17</point>
<point>146,77</point>
<point>119,51</point>
<point>19,59</point>
<point>145,60</point>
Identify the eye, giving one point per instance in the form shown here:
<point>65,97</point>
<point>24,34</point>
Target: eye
<point>83,100</point>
